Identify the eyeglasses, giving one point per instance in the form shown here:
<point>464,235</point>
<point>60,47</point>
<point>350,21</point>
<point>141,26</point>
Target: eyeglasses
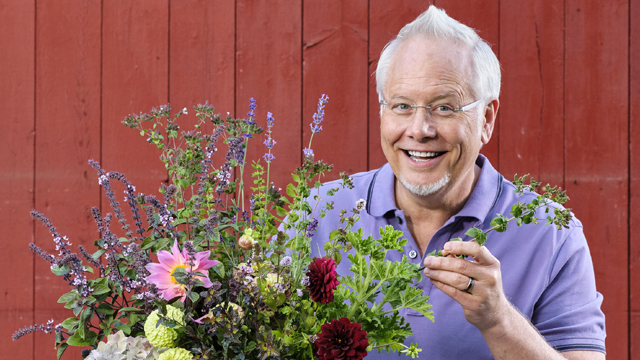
<point>403,108</point>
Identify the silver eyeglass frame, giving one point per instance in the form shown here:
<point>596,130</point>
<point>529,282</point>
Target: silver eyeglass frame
<point>428,107</point>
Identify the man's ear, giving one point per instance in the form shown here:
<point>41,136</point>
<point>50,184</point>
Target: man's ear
<point>489,120</point>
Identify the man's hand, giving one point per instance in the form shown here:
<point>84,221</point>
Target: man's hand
<point>485,305</point>
<point>507,332</point>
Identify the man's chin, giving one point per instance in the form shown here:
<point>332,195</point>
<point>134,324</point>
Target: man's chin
<point>425,189</point>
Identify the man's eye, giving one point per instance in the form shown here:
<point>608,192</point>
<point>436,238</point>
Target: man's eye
<point>444,109</point>
<point>403,107</point>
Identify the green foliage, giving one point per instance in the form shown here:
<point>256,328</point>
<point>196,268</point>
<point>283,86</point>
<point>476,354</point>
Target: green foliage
<point>526,213</point>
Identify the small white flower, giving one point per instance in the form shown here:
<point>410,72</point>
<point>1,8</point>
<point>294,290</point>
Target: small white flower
<point>360,204</point>
<point>184,111</point>
<point>299,291</point>
<point>286,261</point>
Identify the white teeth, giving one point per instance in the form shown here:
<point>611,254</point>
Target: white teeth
<point>422,154</point>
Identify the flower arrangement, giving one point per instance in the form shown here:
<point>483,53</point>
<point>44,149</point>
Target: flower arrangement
<point>222,270</point>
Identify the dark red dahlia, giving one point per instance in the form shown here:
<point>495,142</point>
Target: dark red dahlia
<point>322,280</point>
<point>341,340</point>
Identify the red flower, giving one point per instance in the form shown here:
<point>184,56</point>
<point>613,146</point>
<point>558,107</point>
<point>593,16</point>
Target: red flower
<point>341,340</point>
<point>322,280</point>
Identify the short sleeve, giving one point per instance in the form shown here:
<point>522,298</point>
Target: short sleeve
<point>568,312</point>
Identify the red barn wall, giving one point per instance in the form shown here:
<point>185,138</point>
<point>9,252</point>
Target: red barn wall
<point>71,70</point>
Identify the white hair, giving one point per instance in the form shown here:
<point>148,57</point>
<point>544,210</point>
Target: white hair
<point>426,189</point>
<point>436,24</point>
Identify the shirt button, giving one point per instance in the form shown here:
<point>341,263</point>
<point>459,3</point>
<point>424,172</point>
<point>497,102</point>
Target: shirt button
<point>413,254</point>
<point>399,220</point>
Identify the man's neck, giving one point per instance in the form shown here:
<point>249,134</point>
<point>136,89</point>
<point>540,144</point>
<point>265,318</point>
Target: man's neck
<point>426,214</point>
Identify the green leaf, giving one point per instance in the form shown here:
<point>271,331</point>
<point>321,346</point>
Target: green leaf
<point>61,270</point>
<point>100,289</point>
<point>61,350</point>
<point>295,177</point>
<point>147,243</point>
<point>219,269</point>
<point>129,309</point>
<point>516,210</point>
<point>105,308</point>
<point>291,190</point>
<point>70,323</point>
<point>478,235</point>
<point>500,223</point>
<point>281,211</point>
<point>71,295</point>
<point>88,340</point>
<point>125,328</point>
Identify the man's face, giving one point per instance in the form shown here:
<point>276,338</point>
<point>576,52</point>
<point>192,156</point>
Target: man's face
<point>431,153</point>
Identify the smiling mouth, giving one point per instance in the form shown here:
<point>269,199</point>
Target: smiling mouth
<point>422,155</point>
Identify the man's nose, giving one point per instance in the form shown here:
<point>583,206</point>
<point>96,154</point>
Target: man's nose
<point>421,126</point>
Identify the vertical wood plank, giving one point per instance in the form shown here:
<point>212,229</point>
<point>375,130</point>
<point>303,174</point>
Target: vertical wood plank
<point>268,68</point>
<point>202,44</point>
<point>202,60</point>
<point>17,26</point>
<point>336,63</point>
<point>531,109</point>
<point>484,17</point>
<point>634,153</point>
<point>386,19</point>
<point>596,148</point>
<point>68,128</point>
<point>135,78</point>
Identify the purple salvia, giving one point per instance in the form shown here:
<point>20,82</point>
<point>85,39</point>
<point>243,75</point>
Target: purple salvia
<point>308,153</point>
<point>312,228</point>
<point>269,142</point>
<point>319,115</point>
<point>251,113</point>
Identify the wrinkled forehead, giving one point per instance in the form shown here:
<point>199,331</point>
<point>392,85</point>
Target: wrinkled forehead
<point>422,63</point>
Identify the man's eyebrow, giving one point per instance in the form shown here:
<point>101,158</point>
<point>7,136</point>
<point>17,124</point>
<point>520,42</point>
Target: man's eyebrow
<point>444,96</point>
<point>435,98</point>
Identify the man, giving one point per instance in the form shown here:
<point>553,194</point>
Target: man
<point>530,293</point>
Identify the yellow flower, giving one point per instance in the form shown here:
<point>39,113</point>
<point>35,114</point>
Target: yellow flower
<point>162,336</point>
<point>272,278</point>
<point>176,354</point>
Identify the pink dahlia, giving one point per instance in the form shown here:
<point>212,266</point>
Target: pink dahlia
<point>162,273</point>
<point>322,280</point>
<point>341,339</point>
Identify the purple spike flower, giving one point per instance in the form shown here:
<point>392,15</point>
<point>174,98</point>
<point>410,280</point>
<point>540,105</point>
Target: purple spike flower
<point>319,115</point>
<point>251,113</point>
<point>269,142</point>
<point>308,153</point>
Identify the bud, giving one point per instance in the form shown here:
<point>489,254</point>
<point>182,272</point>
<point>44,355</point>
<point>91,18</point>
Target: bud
<point>246,242</point>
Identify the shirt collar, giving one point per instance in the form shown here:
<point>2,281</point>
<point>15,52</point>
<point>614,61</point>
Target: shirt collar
<point>482,199</point>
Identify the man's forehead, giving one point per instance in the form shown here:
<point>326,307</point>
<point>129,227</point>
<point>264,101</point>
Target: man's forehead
<point>429,61</point>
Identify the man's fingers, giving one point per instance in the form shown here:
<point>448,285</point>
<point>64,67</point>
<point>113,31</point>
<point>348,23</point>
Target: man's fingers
<point>453,279</point>
<point>479,253</point>
<point>453,265</point>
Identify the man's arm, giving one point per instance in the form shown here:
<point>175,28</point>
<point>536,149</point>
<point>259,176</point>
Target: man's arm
<point>507,332</point>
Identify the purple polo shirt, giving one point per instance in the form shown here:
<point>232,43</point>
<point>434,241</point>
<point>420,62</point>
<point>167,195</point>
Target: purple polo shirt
<point>546,273</point>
